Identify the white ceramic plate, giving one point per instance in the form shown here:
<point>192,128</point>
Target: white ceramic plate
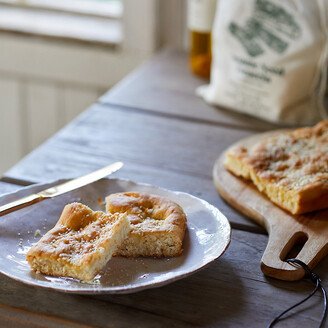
<point>207,237</point>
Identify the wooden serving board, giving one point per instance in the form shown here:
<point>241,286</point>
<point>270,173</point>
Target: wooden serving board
<point>285,230</point>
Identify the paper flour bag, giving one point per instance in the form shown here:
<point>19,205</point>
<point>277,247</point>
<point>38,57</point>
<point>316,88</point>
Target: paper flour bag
<point>270,59</point>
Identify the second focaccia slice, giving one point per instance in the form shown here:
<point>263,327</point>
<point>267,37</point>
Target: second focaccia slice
<point>80,244</point>
<point>157,224</point>
<point>291,168</point>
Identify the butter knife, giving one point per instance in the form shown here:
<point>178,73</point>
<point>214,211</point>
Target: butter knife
<point>60,189</point>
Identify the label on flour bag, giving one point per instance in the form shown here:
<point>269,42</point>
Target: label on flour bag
<point>268,59</point>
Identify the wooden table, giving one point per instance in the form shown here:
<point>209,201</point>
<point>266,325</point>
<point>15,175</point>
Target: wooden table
<point>168,137</point>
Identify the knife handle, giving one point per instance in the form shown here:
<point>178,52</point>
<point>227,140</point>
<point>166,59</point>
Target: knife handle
<point>20,203</point>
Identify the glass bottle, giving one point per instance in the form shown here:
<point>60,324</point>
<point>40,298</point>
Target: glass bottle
<point>200,20</point>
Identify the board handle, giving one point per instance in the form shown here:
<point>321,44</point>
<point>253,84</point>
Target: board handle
<point>280,243</point>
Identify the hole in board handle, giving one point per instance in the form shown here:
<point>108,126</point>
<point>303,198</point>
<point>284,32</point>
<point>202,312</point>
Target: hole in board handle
<point>294,246</point>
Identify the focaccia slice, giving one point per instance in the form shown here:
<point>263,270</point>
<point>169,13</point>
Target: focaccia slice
<point>80,244</point>
<point>291,168</point>
<point>157,224</point>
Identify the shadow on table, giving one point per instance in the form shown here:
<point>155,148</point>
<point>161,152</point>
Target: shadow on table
<point>212,295</point>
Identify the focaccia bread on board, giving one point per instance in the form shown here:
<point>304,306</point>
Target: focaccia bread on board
<point>291,168</point>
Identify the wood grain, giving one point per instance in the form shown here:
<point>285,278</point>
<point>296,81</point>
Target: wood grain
<point>165,85</point>
<point>227,293</point>
<point>78,309</point>
<point>19,318</point>
<point>6,188</point>
<point>285,230</point>
<point>222,295</point>
<point>163,151</point>
<point>169,138</point>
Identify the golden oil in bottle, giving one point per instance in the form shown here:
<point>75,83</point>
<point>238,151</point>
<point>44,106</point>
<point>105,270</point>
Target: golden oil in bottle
<point>200,19</point>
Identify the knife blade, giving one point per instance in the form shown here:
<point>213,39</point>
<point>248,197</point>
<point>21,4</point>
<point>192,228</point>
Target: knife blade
<point>60,189</point>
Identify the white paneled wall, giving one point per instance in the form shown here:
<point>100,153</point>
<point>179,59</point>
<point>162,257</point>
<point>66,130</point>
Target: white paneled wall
<point>42,113</point>
<point>44,84</point>
<point>31,111</point>
<point>11,134</point>
<point>76,98</point>
<point>49,106</point>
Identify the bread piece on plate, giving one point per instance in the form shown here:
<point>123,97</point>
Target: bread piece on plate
<point>291,168</point>
<point>80,244</point>
<point>157,224</point>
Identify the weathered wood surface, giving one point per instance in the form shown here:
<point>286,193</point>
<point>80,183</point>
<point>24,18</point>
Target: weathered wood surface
<point>168,137</point>
<point>165,85</point>
<point>164,151</point>
<point>232,292</point>
<point>6,188</point>
<point>223,295</point>
<point>11,316</point>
